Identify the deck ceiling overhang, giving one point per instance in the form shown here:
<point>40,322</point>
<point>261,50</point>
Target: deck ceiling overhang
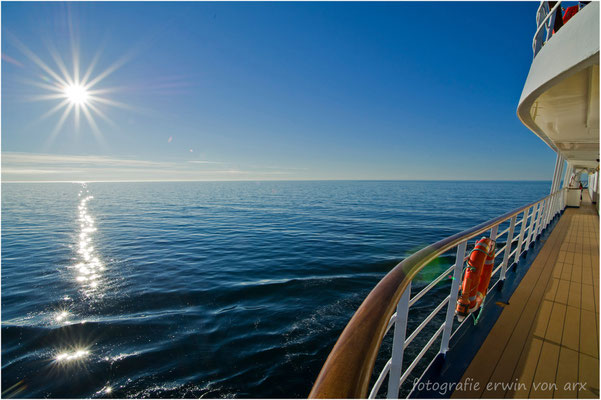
<point>568,115</point>
<point>560,101</point>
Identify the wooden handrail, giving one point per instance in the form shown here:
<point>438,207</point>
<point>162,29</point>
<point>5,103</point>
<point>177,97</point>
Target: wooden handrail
<point>348,369</point>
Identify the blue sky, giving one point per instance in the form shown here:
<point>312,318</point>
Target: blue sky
<point>215,91</point>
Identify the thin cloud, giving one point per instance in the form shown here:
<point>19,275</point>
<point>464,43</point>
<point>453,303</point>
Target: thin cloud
<point>56,167</point>
<point>205,162</point>
<point>29,158</point>
<point>30,171</point>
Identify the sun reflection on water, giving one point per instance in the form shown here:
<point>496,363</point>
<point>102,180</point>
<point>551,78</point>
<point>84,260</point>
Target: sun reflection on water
<point>88,276</point>
<point>61,316</point>
<point>89,268</point>
<point>69,356</point>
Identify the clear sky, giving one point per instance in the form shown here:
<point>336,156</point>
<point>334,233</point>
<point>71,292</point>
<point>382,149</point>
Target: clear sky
<point>214,91</point>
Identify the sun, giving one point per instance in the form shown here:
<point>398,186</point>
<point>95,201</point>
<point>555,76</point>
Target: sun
<point>74,89</point>
<point>76,94</point>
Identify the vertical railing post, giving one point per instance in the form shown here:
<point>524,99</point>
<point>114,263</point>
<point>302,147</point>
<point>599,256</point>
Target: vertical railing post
<point>559,161</point>
<point>539,227</point>
<point>550,24</point>
<point>555,207</point>
<point>562,199</point>
<point>398,344</point>
<point>539,38</point>
<point>556,189</point>
<point>522,232</point>
<point>493,232</point>
<point>539,223</point>
<point>508,247</point>
<point>450,317</point>
<point>543,222</point>
<point>550,211</point>
<point>548,205</point>
<point>531,225</point>
<point>567,177</point>
<point>524,228</point>
<point>535,223</point>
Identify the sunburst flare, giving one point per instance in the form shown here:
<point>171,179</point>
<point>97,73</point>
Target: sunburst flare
<point>75,95</point>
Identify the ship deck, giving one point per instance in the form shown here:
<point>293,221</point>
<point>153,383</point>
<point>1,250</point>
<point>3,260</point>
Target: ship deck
<point>546,341</point>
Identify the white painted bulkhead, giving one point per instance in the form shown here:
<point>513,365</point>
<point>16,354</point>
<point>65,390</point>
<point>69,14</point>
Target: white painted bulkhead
<point>560,99</point>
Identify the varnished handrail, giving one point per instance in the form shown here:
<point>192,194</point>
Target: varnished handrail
<point>348,369</point>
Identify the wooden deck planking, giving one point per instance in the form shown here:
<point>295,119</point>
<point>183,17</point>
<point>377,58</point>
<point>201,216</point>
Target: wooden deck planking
<point>527,299</point>
<point>567,372</point>
<point>549,332</point>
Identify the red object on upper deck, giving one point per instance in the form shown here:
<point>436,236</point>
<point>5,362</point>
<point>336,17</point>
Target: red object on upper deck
<point>569,13</point>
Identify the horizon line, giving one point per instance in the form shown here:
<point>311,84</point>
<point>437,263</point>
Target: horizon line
<point>282,180</point>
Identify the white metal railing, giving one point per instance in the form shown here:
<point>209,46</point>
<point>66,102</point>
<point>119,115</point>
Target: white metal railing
<point>533,219</point>
<point>545,20</point>
<point>348,369</point>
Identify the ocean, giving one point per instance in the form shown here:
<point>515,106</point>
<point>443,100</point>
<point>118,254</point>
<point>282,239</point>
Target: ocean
<point>209,289</point>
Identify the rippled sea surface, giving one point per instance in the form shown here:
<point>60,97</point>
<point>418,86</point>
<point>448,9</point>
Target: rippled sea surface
<point>206,289</point>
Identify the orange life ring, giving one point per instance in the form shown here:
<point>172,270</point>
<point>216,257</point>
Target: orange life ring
<point>476,277</point>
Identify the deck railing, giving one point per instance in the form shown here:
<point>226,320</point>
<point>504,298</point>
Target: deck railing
<point>545,21</point>
<point>349,367</point>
